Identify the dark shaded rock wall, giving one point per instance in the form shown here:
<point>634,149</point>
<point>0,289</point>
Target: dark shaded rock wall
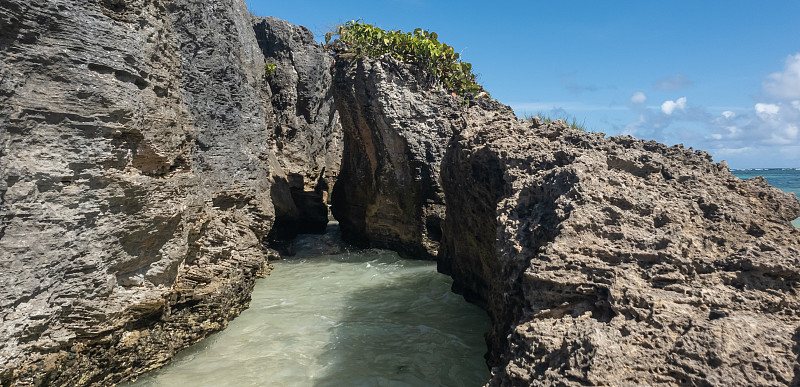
<point>388,193</point>
<point>615,261</point>
<point>134,182</point>
<point>307,135</point>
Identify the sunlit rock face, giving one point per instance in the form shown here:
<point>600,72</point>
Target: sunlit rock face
<point>135,180</point>
<point>617,261</point>
<point>600,260</point>
<point>395,134</point>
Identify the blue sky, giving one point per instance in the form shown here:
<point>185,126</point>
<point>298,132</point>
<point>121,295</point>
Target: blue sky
<point>722,76</point>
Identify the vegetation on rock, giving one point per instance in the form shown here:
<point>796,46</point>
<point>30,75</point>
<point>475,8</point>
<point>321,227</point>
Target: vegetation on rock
<point>440,61</point>
<point>547,119</point>
<point>269,70</point>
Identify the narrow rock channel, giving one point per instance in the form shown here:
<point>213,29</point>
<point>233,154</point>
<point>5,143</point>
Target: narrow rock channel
<point>150,149</point>
<point>337,317</point>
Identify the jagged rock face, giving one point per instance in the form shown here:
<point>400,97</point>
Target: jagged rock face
<point>135,182</point>
<point>387,194</point>
<point>615,261</point>
<point>307,130</point>
<point>307,136</point>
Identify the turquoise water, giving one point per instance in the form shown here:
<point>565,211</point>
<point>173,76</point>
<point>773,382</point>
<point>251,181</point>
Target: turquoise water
<point>366,318</point>
<point>786,179</point>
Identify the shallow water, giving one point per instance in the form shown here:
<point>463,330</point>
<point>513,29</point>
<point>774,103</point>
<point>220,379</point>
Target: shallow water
<point>786,179</point>
<point>364,318</point>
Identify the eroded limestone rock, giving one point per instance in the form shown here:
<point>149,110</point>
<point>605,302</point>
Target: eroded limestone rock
<point>395,133</point>
<point>307,136</point>
<point>616,261</point>
<point>138,177</point>
<point>135,164</point>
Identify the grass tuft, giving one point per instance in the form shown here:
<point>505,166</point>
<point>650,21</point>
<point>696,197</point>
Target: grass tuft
<point>547,119</point>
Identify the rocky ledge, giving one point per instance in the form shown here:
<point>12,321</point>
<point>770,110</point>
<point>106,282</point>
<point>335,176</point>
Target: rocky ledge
<point>616,261</point>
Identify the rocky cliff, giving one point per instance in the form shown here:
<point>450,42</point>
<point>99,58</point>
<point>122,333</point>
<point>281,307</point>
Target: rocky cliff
<point>601,261</point>
<point>615,261</point>
<point>307,134</point>
<point>135,175</point>
<point>146,155</point>
<point>395,133</point>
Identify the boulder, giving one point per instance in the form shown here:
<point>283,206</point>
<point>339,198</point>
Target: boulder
<point>135,178</point>
<point>617,261</point>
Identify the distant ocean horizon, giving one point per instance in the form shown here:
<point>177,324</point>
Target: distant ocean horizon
<point>785,179</point>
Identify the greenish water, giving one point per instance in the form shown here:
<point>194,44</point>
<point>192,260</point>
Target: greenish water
<point>786,179</point>
<point>365,318</point>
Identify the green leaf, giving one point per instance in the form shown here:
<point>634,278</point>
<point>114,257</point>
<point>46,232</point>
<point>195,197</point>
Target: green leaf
<point>421,47</point>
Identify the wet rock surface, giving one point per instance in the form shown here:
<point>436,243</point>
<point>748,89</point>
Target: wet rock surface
<point>135,178</point>
<point>388,194</point>
<point>615,261</point>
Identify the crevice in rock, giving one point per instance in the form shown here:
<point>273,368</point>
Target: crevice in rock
<point>121,75</point>
<point>306,134</point>
<point>388,194</point>
<point>297,211</point>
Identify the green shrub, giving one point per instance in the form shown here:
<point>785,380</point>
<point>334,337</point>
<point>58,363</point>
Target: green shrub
<point>269,70</point>
<point>440,61</point>
<point>547,119</point>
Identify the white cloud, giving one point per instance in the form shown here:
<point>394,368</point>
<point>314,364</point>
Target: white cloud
<point>676,82</point>
<point>763,135</point>
<point>734,151</point>
<point>767,134</point>
<point>783,135</point>
<point>733,131</point>
<point>570,107</point>
<point>669,106</point>
<point>638,98</point>
<point>785,84</point>
<point>777,139</point>
<point>765,110</point>
<point>768,128</point>
<point>633,127</point>
<point>792,131</point>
